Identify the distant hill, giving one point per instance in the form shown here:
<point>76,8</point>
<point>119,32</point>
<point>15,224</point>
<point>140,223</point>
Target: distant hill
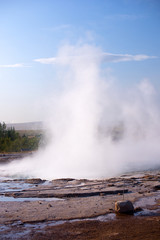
<point>26,126</point>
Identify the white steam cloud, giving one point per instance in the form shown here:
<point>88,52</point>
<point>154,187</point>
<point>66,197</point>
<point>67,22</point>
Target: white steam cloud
<point>98,130</point>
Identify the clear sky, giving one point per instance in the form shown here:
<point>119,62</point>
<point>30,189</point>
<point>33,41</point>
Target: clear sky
<point>35,29</point>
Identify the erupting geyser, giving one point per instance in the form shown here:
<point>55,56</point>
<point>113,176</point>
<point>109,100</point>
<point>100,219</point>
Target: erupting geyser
<point>97,129</point>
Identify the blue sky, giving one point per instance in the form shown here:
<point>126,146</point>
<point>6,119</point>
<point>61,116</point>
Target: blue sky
<point>36,29</point>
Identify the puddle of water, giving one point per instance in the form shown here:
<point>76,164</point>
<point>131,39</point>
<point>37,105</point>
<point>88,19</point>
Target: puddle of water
<point>147,201</point>
<point>9,187</point>
<point>10,184</point>
<point>41,225</point>
<point>147,212</point>
<point>3,228</point>
<point>104,218</point>
<point>12,199</point>
<point>75,185</point>
<point>85,188</point>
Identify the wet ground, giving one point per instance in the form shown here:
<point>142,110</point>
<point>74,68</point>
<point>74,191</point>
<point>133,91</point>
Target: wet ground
<point>80,208</point>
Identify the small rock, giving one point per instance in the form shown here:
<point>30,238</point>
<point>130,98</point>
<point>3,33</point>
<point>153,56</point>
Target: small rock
<point>124,207</point>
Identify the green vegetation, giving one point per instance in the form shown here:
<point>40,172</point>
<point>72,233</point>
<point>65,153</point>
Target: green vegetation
<point>12,141</point>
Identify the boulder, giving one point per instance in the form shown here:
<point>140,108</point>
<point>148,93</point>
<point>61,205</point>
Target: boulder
<point>125,207</point>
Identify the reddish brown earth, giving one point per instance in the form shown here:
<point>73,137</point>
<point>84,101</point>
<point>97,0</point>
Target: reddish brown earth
<point>133,228</point>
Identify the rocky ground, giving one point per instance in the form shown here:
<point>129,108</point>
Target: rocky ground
<point>80,208</point>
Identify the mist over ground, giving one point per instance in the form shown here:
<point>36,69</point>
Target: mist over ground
<point>97,128</point>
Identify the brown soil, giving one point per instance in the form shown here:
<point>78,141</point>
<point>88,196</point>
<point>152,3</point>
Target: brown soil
<point>130,228</point>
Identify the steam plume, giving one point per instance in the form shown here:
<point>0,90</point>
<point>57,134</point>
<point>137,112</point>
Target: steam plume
<point>98,130</point>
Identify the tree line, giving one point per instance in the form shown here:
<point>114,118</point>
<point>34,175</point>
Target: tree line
<point>11,141</point>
